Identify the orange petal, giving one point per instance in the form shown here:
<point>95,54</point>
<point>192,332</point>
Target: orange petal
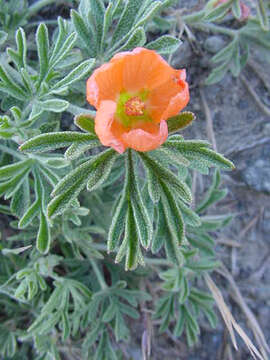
<point>169,98</point>
<point>105,83</point>
<point>143,69</point>
<point>146,138</point>
<point>104,126</point>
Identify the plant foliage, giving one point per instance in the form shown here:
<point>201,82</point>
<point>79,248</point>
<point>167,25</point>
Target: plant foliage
<point>79,214</point>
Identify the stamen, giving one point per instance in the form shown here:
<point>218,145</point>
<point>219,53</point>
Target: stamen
<point>134,106</point>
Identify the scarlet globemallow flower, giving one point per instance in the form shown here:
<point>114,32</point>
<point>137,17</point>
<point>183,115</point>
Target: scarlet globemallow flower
<point>134,94</point>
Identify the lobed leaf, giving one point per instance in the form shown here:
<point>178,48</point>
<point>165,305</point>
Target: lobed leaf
<point>42,40</point>
<point>56,140</point>
<point>165,44</point>
<point>180,121</point>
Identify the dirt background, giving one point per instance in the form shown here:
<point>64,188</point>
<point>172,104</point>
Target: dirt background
<point>242,132</point>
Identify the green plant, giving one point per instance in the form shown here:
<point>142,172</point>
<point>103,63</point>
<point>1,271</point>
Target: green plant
<point>75,213</point>
<point>242,35</point>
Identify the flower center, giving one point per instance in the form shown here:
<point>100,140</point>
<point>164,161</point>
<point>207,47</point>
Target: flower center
<point>131,109</point>
<point>134,106</point>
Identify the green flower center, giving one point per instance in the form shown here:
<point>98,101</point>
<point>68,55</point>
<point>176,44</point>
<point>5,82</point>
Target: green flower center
<point>131,109</point>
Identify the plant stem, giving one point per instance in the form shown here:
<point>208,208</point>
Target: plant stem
<point>215,28</point>
<point>77,110</point>
<point>157,262</point>
<point>12,152</point>
<point>33,9</point>
<point>99,276</point>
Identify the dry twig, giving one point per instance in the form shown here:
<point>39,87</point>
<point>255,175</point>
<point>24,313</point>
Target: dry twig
<point>236,294</point>
<point>209,121</point>
<point>256,98</point>
<point>229,320</point>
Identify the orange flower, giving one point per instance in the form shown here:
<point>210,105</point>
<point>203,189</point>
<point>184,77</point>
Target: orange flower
<point>134,94</point>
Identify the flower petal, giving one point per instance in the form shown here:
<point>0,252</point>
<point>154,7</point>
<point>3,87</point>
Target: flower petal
<point>146,138</point>
<point>169,98</point>
<point>105,83</point>
<point>143,69</point>
<point>104,126</point>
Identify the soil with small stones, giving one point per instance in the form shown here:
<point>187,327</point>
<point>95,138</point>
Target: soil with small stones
<point>242,133</point>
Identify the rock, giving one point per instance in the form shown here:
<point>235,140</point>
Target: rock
<point>215,43</point>
<point>266,129</point>
<point>257,175</point>
<point>182,57</point>
<point>266,221</point>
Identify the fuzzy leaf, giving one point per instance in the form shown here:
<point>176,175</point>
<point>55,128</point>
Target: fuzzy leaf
<point>43,237</point>
<point>54,105</point>
<point>180,121</point>
<point>42,39</point>
<point>118,221</point>
<point>86,123</point>
<point>81,71</point>
<point>137,38</point>
<point>71,185</point>
<point>165,44</point>
<point>167,177</point>
<point>52,141</point>
<point>127,19</point>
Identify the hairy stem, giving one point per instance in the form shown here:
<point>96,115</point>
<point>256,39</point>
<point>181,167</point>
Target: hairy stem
<point>99,276</point>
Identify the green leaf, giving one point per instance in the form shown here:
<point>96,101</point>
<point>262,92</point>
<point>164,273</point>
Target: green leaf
<point>21,199</point>
<point>175,225</point>
<point>180,324</point>
<point>29,215</point>
<point>98,11</point>
<point>19,56</point>
<point>54,105</point>
<point>71,185</point>
<point>14,169</point>
<point>218,12</point>
<point>127,19</point>
<point>3,37</point>
<point>165,44</point>
<point>9,86</point>
<point>78,148</point>
<point>217,74</point>
<point>140,213</point>
<point>161,233</point>
<point>108,18</point>
<point>130,246</point>
<point>153,185</point>
<point>197,150</point>
<point>137,38</point>
<point>167,177</point>
<point>81,71</point>
<point>226,53</point>
<point>118,220</point>
<point>236,9</point>
<point>190,217</point>
<point>42,40</point>
<point>203,264</point>
<point>63,44</point>
<point>184,290</point>
<point>262,13</point>
<point>180,121</point>
<point>44,236</point>
<point>83,32</point>
<point>56,140</point>
<point>12,185</point>
<point>101,170</point>
<point>150,12</point>
<point>86,123</point>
